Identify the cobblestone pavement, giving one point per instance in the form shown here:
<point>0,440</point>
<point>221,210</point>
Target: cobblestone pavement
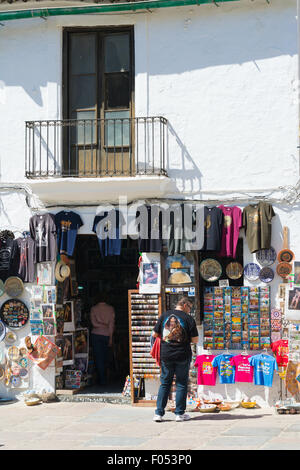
<point>111,427</point>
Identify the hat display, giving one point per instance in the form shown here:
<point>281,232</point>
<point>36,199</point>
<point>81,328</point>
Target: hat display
<point>13,286</point>
<point>179,277</point>
<point>62,271</point>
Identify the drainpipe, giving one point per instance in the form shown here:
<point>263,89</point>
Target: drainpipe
<point>107,8</point>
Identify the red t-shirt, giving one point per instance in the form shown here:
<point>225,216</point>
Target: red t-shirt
<point>281,350</point>
<point>243,369</point>
<point>207,374</point>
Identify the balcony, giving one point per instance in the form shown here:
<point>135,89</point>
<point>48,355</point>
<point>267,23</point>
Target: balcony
<point>96,148</point>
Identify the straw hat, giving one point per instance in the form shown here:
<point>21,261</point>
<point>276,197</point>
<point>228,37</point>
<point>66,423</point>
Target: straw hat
<point>13,286</point>
<point>62,271</point>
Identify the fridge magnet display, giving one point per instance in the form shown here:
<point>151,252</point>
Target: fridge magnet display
<point>234,270</point>
<point>251,271</point>
<point>13,286</point>
<point>44,273</point>
<point>14,313</point>
<point>210,270</point>
<point>2,331</point>
<point>266,274</point>
<point>149,274</point>
<point>266,257</point>
<point>69,323</point>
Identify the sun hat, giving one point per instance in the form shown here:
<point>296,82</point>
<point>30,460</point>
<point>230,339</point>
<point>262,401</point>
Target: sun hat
<point>62,271</point>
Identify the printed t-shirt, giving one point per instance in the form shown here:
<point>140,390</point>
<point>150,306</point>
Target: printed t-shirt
<point>9,258</point>
<point>176,329</point>
<point>231,229</point>
<point>264,366</point>
<point>26,265</point>
<point>243,370</point>
<point>186,229</point>
<point>225,369</point>
<point>107,228</point>
<point>281,349</point>
<point>67,224</point>
<point>207,374</point>
<point>43,231</point>
<point>213,226</point>
<point>257,223</point>
<point>149,222</point>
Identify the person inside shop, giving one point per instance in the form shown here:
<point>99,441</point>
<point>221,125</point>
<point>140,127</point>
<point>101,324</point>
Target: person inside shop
<point>177,330</point>
<point>102,317</point>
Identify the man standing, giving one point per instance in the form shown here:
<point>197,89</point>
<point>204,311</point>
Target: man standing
<point>177,330</point>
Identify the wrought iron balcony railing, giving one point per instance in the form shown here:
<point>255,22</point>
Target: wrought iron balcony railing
<point>96,147</point>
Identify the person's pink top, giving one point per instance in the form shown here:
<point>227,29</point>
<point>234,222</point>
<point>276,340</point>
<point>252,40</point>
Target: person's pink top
<point>243,370</point>
<point>231,229</point>
<point>207,374</point>
<point>103,319</point>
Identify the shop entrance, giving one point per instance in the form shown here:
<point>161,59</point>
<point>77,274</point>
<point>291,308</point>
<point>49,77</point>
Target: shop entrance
<point>114,275</point>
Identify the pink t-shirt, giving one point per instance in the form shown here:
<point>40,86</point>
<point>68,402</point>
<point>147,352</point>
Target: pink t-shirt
<point>231,229</point>
<point>207,374</point>
<point>243,370</point>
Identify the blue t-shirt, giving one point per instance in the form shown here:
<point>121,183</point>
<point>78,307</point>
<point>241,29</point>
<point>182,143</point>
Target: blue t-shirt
<point>264,366</point>
<point>107,228</point>
<point>225,369</point>
<point>67,224</point>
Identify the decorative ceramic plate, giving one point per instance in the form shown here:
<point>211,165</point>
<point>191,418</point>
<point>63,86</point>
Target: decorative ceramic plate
<point>13,353</point>
<point>251,271</point>
<point>2,331</point>
<point>234,270</point>
<point>15,381</point>
<point>266,274</point>
<point>266,257</point>
<point>10,337</point>
<point>14,313</point>
<point>210,270</point>
<point>14,286</point>
<point>23,373</point>
<point>23,362</point>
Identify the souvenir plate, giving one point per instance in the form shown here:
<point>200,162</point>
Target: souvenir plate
<point>13,353</point>
<point>2,331</point>
<point>14,286</point>
<point>251,271</point>
<point>234,270</point>
<point>210,270</point>
<point>14,313</point>
<point>23,373</point>
<point>266,257</point>
<point>266,274</point>
<point>10,337</point>
<point>23,362</point>
<point>15,381</point>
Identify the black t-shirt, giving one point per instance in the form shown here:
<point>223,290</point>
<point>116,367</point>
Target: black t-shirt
<point>9,258</point>
<point>213,227</point>
<point>176,329</point>
<point>149,224</point>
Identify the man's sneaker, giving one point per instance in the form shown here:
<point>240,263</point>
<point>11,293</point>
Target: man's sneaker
<point>184,417</point>
<point>157,418</point>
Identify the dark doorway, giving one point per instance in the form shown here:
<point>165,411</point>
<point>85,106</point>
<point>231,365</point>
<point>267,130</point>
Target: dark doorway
<point>115,275</point>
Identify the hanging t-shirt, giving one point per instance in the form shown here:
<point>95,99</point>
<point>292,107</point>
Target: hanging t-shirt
<point>213,226</point>
<point>9,258</point>
<point>176,329</point>
<point>43,231</point>
<point>182,236</point>
<point>231,229</point>
<point>225,369</point>
<point>107,226</point>
<point>257,223</point>
<point>243,370</point>
<point>149,224</point>
<point>264,366</point>
<point>26,266</point>
<point>67,225</point>
<point>207,374</point>
<point>281,349</point>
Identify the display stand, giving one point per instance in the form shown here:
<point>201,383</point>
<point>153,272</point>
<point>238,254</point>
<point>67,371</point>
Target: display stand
<point>144,310</point>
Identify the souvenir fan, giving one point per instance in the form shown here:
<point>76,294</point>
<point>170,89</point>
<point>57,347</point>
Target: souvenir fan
<point>266,257</point>
<point>179,277</point>
<point>234,270</point>
<point>210,270</point>
<point>251,271</point>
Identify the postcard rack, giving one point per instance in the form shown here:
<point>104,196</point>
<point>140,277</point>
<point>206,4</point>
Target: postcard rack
<point>237,318</point>
<point>144,310</point>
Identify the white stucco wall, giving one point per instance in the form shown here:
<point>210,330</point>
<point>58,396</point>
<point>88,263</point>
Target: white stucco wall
<point>225,77</point>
